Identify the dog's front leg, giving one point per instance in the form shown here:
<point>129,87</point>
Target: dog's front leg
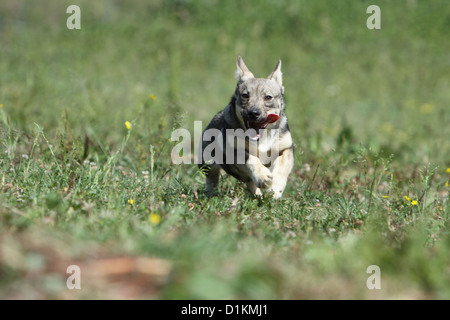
<point>261,175</point>
<point>281,168</point>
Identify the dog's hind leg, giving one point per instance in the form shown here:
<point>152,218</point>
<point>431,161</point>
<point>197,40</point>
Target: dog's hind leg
<point>212,179</point>
<point>254,189</point>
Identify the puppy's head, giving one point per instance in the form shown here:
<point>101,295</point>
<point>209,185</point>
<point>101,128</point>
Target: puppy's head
<point>259,101</point>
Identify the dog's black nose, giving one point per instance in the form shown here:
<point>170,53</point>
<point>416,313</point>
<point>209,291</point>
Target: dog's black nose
<point>253,114</point>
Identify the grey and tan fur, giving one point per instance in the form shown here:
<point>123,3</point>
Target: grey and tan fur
<point>253,100</point>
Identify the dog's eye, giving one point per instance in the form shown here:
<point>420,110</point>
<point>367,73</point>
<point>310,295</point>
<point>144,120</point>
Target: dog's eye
<point>268,98</point>
<point>245,95</point>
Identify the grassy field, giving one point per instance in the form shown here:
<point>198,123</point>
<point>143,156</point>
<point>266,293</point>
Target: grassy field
<point>369,114</point>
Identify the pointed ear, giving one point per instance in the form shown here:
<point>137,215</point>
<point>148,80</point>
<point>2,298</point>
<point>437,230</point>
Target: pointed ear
<point>242,72</point>
<point>277,75</point>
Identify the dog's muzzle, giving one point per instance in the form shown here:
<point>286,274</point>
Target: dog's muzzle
<point>254,127</point>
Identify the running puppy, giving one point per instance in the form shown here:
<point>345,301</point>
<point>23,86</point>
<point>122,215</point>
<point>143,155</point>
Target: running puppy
<point>252,139</point>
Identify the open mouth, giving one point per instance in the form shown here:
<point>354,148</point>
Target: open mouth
<point>254,134</point>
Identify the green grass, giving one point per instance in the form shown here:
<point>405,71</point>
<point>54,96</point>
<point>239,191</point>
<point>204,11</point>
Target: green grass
<point>368,111</point>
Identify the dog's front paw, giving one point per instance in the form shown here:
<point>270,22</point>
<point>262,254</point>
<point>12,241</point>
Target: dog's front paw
<point>276,192</point>
<point>263,178</point>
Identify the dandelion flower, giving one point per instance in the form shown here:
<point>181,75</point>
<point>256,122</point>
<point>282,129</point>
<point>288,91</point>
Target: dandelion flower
<point>154,218</point>
<point>407,198</point>
<point>447,184</point>
<point>152,96</point>
<point>131,201</point>
<point>448,170</point>
<point>128,125</point>
<point>414,203</point>
<point>385,197</point>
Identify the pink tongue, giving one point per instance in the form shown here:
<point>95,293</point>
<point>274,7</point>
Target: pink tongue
<point>271,118</point>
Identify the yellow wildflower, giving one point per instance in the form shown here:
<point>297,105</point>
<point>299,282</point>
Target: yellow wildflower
<point>387,127</point>
<point>414,203</point>
<point>128,125</point>
<point>385,197</point>
<point>154,218</point>
<point>152,96</point>
<point>1,106</point>
<point>427,108</point>
<point>131,201</point>
<point>447,184</point>
<point>448,170</point>
<point>407,198</point>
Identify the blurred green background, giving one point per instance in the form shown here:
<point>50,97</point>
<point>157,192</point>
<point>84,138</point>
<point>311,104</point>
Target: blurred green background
<point>389,86</point>
<point>368,111</point>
